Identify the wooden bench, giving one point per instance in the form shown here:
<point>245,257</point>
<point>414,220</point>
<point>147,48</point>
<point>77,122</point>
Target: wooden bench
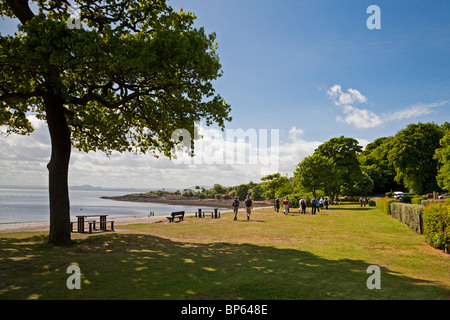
<point>78,224</point>
<point>179,215</point>
<point>102,225</point>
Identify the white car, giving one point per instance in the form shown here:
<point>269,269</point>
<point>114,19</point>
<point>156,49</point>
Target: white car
<point>398,194</point>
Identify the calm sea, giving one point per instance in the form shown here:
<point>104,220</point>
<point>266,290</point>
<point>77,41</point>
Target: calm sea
<point>31,205</point>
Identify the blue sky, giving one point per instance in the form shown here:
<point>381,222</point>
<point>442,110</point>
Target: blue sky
<point>280,57</point>
<point>308,68</point>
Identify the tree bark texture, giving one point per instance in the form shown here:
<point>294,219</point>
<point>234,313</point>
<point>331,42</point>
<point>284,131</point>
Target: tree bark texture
<point>58,169</point>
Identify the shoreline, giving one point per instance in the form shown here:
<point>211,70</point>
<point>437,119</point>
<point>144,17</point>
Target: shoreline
<point>14,227</point>
<point>191,201</point>
<point>45,226</point>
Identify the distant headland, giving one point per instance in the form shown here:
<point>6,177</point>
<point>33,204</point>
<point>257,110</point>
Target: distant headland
<point>174,199</point>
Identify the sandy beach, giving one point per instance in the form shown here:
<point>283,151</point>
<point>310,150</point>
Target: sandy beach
<point>127,220</point>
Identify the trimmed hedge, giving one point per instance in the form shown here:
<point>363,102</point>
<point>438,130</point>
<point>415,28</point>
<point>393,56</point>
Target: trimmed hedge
<point>436,225</point>
<point>432,218</point>
<point>384,204</point>
<point>417,200</point>
<point>427,202</point>
<point>409,214</point>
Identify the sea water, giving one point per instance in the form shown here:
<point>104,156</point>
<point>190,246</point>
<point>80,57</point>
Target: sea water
<point>28,204</point>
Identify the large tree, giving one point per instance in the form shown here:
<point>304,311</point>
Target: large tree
<point>276,183</point>
<point>374,162</point>
<point>123,77</point>
<point>314,173</point>
<point>412,154</point>
<point>443,157</point>
<point>343,153</point>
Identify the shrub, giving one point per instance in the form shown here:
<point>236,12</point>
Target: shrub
<point>409,214</point>
<point>293,200</point>
<point>406,198</point>
<point>417,199</point>
<point>384,204</point>
<point>431,201</point>
<point>436,225</point>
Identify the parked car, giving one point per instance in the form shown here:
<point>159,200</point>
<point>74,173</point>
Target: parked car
<point>444,196</point>
<point>398,194</point>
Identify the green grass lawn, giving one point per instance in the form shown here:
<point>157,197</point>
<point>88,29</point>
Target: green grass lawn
<point>272,256</point>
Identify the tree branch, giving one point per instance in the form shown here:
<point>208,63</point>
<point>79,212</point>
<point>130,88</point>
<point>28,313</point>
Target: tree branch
<point>23,96</point>
<point>21,9</point>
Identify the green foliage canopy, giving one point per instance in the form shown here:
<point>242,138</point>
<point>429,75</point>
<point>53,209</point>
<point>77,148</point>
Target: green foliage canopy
<point>315,172</point>
<point>132,74</point>
<point>443,157</point>
<point>276,183</point>
<point>412,155</point>
<point>374,161</point>
<point>343,153</point>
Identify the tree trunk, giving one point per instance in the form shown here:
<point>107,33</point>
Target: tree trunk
<point>58,168</point>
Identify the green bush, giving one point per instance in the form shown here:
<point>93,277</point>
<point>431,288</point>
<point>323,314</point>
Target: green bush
<point>417,199</point>
<point>295,198</point>
<point>407,198</point>
<point>431,201</point>
<point>384,204</point>
<point>436,225</point>
<point>409,214</point>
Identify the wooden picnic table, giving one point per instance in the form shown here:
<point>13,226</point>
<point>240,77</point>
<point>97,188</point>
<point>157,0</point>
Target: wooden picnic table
<point>201,213</point>
<point>82,219</point>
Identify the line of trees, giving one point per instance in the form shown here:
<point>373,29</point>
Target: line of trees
<point>416,159</point>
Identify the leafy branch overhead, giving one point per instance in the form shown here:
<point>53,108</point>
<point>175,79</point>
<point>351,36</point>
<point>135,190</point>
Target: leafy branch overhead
<point>131,75</point>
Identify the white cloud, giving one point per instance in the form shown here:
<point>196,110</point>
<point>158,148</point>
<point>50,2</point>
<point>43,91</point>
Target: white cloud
<point>414,111</point>
<point>228,160</point>
<point>357,96</point>
<point>360,118</point>
<point>364,118</point>
<point>345,98</point>
<point>292,152</point>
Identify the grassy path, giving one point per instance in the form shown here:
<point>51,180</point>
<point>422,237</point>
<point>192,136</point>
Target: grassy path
<point>272,256</point>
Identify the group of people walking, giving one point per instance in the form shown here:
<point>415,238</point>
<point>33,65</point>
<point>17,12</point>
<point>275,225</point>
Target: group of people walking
<point>248,203</point>
<point>316,205</point>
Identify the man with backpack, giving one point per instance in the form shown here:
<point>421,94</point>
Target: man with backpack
<point>235,207</point>
<point>248,204</point>
<point>286,205</point>
<point>302,205</point>
<point>314,204</point>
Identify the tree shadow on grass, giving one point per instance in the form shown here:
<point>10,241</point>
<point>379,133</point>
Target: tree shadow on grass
<point>131,266</point>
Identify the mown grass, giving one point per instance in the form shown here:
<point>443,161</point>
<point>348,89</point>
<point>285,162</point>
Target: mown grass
<point>272,256</point>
